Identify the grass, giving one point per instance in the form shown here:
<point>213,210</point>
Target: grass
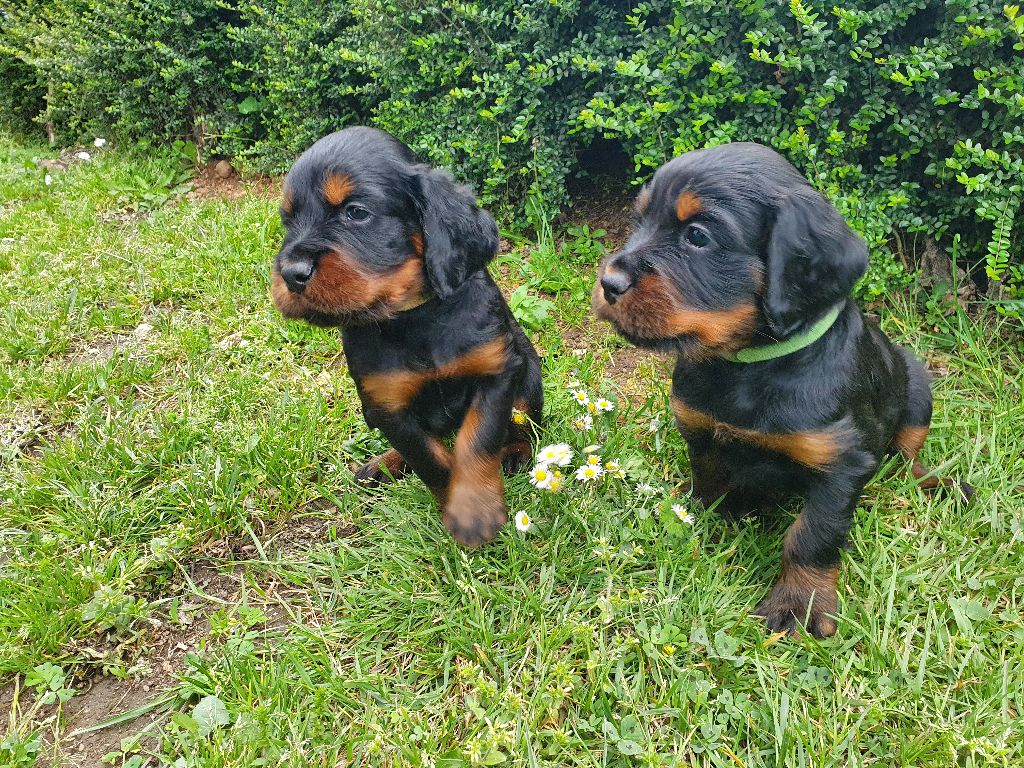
<point>174,471</point>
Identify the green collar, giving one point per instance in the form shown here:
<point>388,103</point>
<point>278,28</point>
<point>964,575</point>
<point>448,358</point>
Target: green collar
<point>792,344</point>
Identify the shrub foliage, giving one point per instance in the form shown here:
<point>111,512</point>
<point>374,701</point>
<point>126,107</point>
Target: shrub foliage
<point>909,114</point>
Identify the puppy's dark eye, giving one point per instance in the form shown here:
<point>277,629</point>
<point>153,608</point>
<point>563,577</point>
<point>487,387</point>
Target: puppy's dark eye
<point>696,236</point>
<point>356,213</point>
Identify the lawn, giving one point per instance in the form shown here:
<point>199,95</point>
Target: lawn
<point>180,534</point>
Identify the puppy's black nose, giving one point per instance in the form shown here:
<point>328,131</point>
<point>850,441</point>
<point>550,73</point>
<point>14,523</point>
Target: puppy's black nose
<point>615,283</point>
<point>296,274</point>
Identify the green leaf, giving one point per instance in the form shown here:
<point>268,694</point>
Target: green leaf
<point>628,747</point>
<point>249,105</point>
<point>967,613</point>
<point>184,722</point>
<point>210,714</point>
<point>630,728</point>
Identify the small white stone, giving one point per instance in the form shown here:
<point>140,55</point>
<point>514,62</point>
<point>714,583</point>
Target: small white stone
<point>99,143</point>
<point>48,179</point>
<point>83,155</point>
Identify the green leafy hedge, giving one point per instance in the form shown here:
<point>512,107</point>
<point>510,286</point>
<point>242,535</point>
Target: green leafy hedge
<point>909,114</point>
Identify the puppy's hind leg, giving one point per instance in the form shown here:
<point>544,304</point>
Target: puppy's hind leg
<point>383,469</point>
<point>517,454</point>
<point>914,426</point>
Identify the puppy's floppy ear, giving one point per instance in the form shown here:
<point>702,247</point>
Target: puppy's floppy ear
<point>813,259</point>
<point>459,237</point>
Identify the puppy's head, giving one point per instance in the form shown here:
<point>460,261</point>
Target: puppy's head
<point>371,232</point>
<point>732,248</point>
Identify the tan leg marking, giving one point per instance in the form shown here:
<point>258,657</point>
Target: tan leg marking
<point>475,509</point>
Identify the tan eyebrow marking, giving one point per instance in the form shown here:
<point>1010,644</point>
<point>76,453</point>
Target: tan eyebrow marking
<point>337,187</point>
<point>687,204</point>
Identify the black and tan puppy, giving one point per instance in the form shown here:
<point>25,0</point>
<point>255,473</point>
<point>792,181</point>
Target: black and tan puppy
<point>781,386</point>
<point>394,252</point>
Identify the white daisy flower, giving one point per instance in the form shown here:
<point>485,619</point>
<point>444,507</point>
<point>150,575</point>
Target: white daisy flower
<point>614,468</point>
<point>592,448</point>
<point>556,482</point>
<point>540,476</point>
<point>593,460</point>
<point>523,522</point>
<point>603,404</point>
<point>99,143</point>
<point>581,397</point>
<point>646,489</point>
<point>564,455</point>
<point>682,514</point>
<point>559,454</point>
<point>589,472</point>
<point>47,179</point>
<point>584,422</point>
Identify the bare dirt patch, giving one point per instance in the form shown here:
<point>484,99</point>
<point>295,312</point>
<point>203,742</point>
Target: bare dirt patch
<point>68,156</point>
<point>25,432</point>
<point>101,349</point>
<point>319,522</point>
<point>154,674</point>
<point>637,372</point>
<point>609,208</point>
<point>211,184</point>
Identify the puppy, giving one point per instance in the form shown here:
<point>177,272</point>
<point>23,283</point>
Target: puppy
<point>781,386</point>
<point>394,253</point>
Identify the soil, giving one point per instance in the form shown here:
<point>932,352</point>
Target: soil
<point>310,528</point>
<point>217,577</point>
<point>100,350</point>
<point>208,184</point>
<point>99,697</point>
<point>25,432</point>
<point>629,367</point>
<point>605,207</point>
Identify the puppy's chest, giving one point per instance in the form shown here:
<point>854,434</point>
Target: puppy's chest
<point>393,381</point>
<point>816,447</point>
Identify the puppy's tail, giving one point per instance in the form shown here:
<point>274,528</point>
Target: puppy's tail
<point>908,441</point>
<point>912,432</point>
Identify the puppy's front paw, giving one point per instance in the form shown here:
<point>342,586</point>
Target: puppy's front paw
<point>383,469</point>
<point>516,457</point>
<point>808,602</point>
<point>474,515</point>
